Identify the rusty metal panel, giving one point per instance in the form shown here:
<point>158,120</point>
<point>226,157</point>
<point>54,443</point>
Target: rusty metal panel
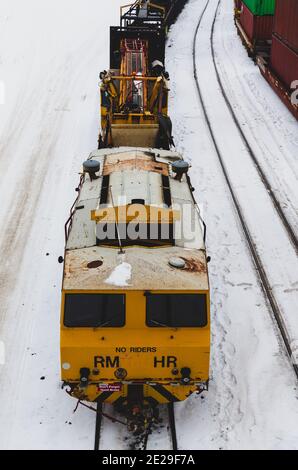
<point>139,162</point>
<point>150,269</point>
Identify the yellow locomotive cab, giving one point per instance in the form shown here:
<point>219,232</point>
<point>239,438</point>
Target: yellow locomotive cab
<point>136,340</point>
<point>135,309</point>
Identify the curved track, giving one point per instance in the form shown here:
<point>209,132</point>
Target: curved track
<point>277,205</point>
<point>262,275</point>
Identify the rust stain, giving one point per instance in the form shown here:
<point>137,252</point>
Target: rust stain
<point>150,267</point>
<point>146,164</point>
<point>194,265</point>
<point>94,264</point>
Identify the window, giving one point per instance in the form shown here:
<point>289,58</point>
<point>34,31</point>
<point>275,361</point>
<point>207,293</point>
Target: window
<point>94,310</point>
<point>176,310</point>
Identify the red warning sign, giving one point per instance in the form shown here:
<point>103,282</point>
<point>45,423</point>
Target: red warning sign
<point>116,387</point>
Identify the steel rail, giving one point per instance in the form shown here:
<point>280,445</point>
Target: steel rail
<point>277,205</point>
<point>262,275</point>
<point>98,426</point>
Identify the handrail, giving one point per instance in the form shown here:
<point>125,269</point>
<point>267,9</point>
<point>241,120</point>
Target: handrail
<point>202,222</point>
<point>131,6</point>
<point>68,223</point>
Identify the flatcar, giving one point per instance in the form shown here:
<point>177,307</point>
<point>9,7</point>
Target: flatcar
<point>134,91</point>
<point>135,310</point>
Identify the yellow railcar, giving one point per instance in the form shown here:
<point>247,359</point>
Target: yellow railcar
<point>135,318</point>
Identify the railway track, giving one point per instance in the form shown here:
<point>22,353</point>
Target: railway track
<point>143,443</point>
<point>172,425</point>
<point>260,269</point>
<point>98,426</point>
<point>277,205</point>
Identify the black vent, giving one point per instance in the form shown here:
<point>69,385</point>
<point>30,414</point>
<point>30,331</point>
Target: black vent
<point>104,189</point>
<point>166,190</point>
<point>138,201</point>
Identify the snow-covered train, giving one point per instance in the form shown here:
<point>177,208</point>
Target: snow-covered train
<point>135,315</point>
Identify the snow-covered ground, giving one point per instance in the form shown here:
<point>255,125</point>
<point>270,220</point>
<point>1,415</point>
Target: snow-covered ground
<point>252,402</point>
<point>261,114</point>
<point>51,53</point>
<point>50,56</point>
<point>269,235</point>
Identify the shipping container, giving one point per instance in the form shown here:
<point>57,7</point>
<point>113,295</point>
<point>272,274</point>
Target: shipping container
<point>261,7</point>
<point>277,86</point>
<point>286,22</point>
<point>284,61</point>
<point>256,27</point>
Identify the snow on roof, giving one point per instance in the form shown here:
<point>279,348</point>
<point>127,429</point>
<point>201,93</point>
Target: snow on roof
<point>120,276</point>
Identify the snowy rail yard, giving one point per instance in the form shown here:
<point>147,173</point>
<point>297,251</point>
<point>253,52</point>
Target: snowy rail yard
<point>50,55</point>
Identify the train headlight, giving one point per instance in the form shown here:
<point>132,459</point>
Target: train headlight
<point>84,377</point>
<point>120,373</point>
<point>175,371</point>
<point>185,375</point>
